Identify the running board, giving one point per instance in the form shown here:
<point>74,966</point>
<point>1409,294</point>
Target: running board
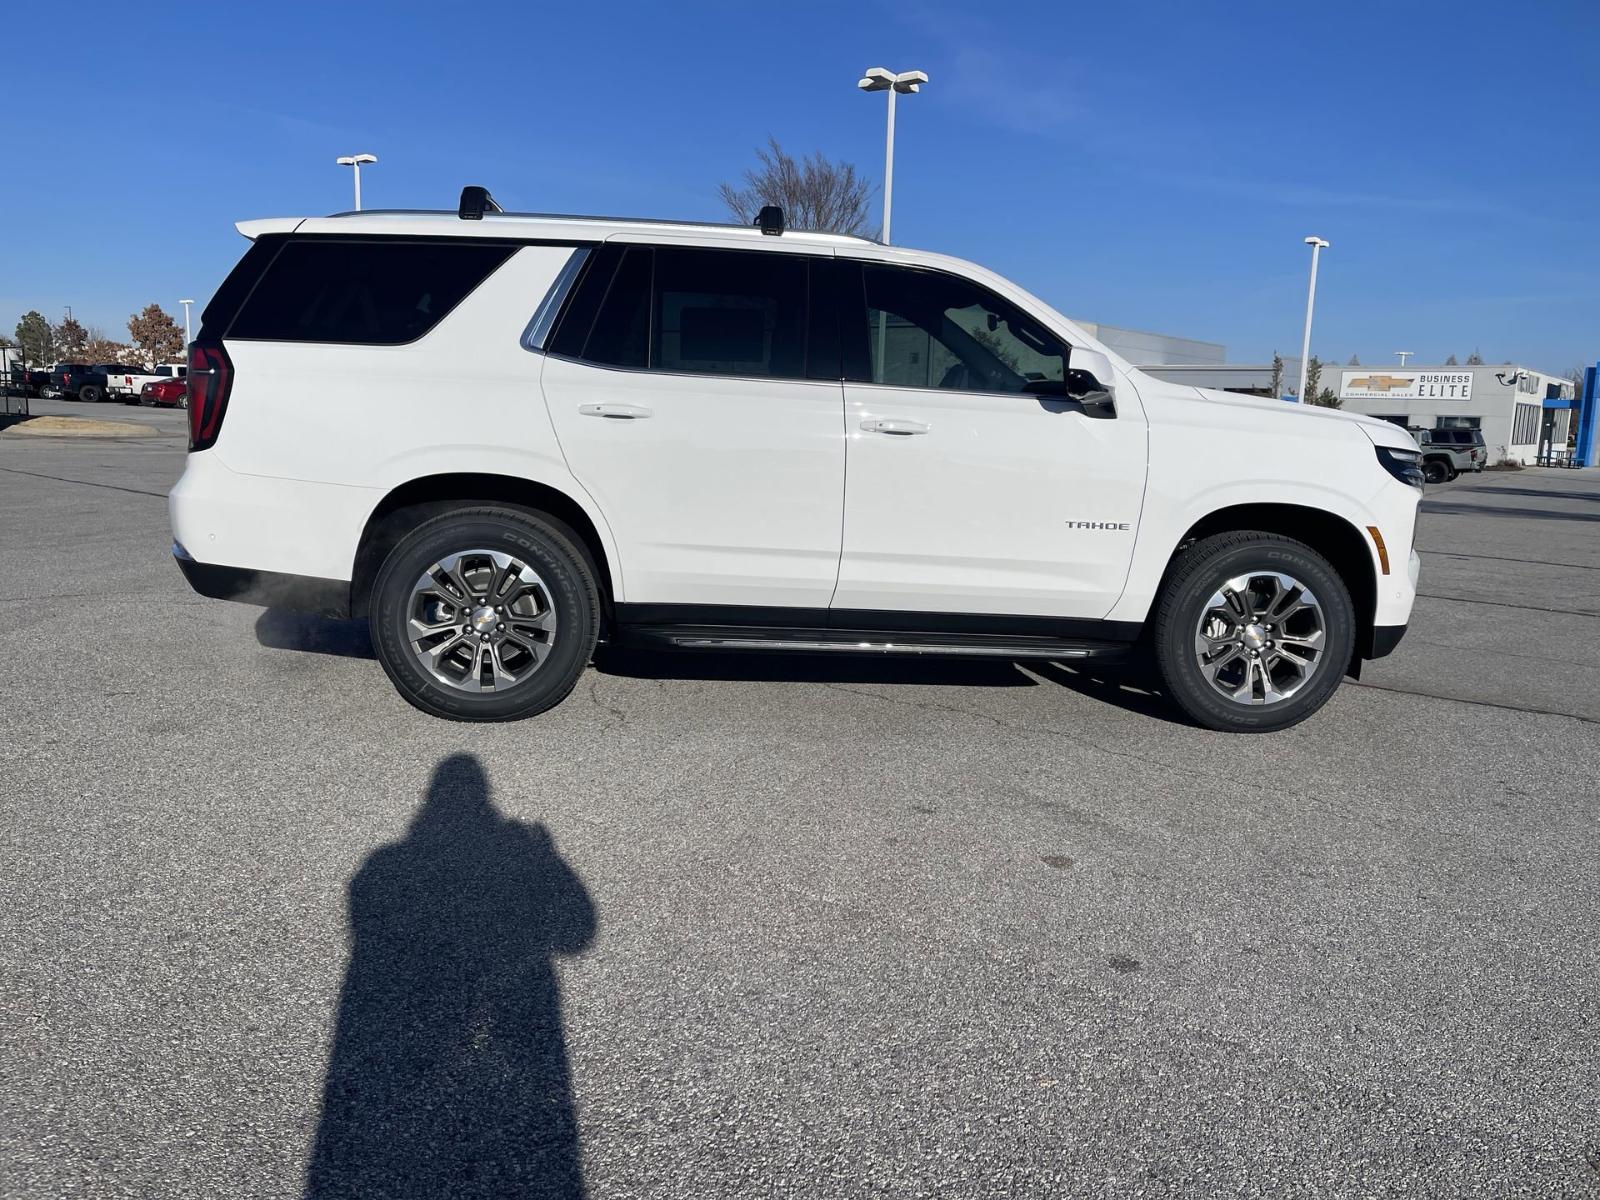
<point>868,641</point>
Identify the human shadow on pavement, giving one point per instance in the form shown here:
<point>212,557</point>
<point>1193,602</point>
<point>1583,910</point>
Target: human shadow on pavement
<point>448,1073</point>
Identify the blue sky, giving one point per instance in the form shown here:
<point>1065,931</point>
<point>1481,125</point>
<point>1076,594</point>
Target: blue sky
<point>1153,165</point>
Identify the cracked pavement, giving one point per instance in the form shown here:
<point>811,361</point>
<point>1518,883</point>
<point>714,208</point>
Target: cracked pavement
<point>859,927</point>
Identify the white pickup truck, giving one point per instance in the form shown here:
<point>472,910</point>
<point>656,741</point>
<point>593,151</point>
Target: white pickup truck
<point>126,383</point>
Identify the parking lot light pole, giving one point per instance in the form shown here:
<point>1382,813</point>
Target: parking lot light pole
<point>1317,246</point>
<point>877,79</point>
<point>186,338</point>
<point>355,161</point>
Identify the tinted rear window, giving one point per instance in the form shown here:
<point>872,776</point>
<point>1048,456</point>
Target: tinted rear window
<point>372,293</point>
<point>700,311</point>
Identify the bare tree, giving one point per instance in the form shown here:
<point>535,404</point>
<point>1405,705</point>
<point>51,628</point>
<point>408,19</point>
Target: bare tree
<point>1474,359</point>
<point>1277,375</point>
<point>1451,361</point>
<point>814,193</point>
<point>98,348</point>
<point>1354,361</point>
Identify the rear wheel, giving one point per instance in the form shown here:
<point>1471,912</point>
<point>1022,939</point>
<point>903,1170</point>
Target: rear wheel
<point>485,614</point>
<point>1434,470</point>
<point>89,394</point>
<point>1253,632</point>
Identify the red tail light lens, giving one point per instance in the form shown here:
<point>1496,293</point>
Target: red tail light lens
<point>210,379</point>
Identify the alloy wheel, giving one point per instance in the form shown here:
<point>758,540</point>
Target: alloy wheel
<point>1260,637</point>
<point>480,620</point>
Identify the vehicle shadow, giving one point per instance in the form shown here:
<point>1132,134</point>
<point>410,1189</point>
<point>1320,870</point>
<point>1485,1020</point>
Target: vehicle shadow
<point>448,1072</point>
<point>1535,493</point>
<point>1446,508</point>
<point>1125,686</point>
<point>286,629</point>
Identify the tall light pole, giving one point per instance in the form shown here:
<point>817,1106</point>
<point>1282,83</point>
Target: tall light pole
<point>1402,355</point>
<point>879,79</point>
<point>1317,246</point>
<point>355,160</point>
<point>186,338</point>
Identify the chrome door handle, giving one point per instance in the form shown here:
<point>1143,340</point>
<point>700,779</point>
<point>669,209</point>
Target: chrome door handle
<point>894,425</point>
<point>617,412</point>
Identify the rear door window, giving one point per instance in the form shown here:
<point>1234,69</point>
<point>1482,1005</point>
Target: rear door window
<point>380,293</point>
<point>704,312</point>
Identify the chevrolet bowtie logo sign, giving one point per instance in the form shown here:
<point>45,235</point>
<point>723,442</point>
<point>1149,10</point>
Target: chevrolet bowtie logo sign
<point>1413,385</point>
<point>1383,383</point>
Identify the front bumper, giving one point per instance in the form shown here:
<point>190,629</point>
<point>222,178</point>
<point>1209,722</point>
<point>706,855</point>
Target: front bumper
<point>1384,639</point>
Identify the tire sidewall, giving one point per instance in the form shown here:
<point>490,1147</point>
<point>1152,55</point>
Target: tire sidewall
<point>1175,637</point>
<point>558,563</point>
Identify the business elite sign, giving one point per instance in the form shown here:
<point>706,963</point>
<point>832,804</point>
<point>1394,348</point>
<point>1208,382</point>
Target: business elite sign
<point>1405,385</point>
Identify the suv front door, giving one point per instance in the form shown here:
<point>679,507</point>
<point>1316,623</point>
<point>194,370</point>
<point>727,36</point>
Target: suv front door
<point>696,395</point>
<point>966,491</point>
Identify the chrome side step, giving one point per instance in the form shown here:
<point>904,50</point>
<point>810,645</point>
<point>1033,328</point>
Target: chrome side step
<point>847,641</point>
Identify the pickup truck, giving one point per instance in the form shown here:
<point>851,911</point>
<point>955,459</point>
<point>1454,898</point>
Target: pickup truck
<point>1446,453</point>
<point>77,381</point>
<point>125,383</point>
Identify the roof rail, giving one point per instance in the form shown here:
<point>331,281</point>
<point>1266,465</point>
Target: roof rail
<point>492,208</point>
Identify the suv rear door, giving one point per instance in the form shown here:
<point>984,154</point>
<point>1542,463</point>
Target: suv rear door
<point>695,392</point>
<point>965,493</point>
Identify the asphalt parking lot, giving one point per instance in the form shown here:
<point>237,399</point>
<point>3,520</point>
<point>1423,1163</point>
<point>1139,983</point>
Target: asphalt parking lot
<point>783,927</point>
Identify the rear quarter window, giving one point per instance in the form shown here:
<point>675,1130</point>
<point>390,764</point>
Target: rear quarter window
<point>378,293</point>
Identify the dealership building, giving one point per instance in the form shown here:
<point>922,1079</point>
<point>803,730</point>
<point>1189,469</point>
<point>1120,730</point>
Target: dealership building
<point>1521,412</point>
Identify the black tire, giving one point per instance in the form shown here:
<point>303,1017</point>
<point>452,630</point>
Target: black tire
<point>133,400</point>
<point>1435,471</point>
<point>89,394</point>
<point>1198,575</point>
<point>550,548</point>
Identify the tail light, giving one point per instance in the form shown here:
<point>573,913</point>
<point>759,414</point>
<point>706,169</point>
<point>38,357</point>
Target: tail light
<point>210,379</point>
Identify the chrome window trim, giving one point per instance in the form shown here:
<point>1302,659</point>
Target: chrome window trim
<point>544,317</point>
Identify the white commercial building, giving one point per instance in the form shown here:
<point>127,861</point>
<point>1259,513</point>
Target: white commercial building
<point>1506,402</point>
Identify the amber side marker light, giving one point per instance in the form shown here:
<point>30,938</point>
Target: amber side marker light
<point>1383,551</point>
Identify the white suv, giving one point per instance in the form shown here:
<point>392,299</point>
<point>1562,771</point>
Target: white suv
<point>503,437</point>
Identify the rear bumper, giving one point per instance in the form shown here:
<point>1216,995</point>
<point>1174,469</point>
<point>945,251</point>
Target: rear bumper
<point>270,589</point>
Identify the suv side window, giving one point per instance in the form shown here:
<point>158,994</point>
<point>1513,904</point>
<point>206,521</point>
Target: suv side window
<point>927,329</point>
<point>379,293</point>
<point>703,312</point>
<point>722,312</point>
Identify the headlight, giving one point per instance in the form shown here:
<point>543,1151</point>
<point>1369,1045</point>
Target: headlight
<point>1404,465</point>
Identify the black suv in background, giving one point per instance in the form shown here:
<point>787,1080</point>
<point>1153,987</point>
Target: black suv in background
<point>1448,452</point>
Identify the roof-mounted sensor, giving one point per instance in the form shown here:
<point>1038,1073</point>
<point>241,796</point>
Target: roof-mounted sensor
<point>770,219</point>
<point>475,201</point>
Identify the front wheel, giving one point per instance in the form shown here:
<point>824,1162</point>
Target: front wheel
<point>1253,632</point>
<point>485,614</point>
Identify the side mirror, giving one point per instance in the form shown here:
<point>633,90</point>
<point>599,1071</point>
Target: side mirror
<point>1090,383</point>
